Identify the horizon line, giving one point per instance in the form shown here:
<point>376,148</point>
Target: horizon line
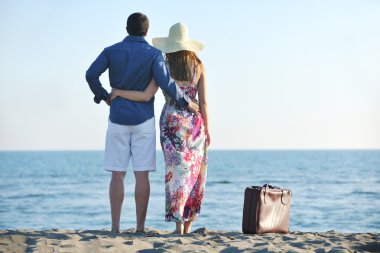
<point>213,149</point>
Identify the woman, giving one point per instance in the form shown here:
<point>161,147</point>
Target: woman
<point>184,135</point>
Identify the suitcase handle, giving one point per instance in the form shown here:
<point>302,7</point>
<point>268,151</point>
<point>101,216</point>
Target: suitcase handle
<point>268,186</point>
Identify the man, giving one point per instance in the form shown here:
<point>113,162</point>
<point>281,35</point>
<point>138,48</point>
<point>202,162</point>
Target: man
<point>132,63</point>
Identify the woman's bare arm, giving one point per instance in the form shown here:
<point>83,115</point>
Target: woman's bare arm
<point>144,96</point>
<point>203,103</point>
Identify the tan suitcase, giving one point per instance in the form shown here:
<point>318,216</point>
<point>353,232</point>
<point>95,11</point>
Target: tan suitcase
<point>266,209</point>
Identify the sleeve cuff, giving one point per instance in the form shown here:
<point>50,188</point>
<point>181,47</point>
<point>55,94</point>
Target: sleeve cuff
<point>103,96</point>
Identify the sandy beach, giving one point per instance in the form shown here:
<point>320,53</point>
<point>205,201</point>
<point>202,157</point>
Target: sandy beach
<point>201,240</point>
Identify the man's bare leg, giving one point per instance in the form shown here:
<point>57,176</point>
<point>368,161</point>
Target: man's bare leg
<point>116,194</point>
<point>142,191</point>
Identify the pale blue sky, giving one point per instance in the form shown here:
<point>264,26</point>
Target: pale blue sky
<point>281,74</point>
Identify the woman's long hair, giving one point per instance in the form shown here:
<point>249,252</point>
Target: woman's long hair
<point>182,64</point>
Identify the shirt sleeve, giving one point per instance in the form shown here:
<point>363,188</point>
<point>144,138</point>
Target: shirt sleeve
<point>162,77</point>
<point>97,68</point>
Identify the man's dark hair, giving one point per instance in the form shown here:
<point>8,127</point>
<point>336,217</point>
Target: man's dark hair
<point>137,24</point>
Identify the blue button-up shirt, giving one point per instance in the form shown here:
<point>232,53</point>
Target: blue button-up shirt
<point>131,65</point>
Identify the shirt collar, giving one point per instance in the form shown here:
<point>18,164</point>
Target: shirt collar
<point>135,39</point>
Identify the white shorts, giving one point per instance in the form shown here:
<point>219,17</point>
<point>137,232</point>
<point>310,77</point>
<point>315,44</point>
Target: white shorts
<point>131,141</point>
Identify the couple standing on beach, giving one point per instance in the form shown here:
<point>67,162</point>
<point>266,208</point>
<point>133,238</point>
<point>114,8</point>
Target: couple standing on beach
<point>136,70</point>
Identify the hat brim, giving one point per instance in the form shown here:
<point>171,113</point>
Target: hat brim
<point>167,45</point>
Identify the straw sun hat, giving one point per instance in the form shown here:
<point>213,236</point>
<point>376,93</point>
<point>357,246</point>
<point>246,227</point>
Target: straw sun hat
<point>177,40</point>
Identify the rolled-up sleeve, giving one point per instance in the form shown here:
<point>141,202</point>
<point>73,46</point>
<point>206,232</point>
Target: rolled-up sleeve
<point>162,77</point>
<point>97,68</point>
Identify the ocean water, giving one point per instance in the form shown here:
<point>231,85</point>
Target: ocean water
<point>332,190</point>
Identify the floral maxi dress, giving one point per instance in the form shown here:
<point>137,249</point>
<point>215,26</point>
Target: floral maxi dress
<point>183,142</point>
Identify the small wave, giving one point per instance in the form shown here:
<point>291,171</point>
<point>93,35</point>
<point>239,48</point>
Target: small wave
<point>365,193</point>
<point>34,196</point>
<point>220,182</point>
<point>26,196</point>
